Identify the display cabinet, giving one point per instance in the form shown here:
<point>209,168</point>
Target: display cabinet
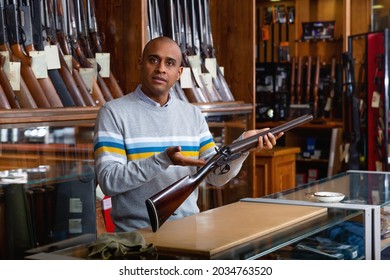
<point>365,190</point>
<point>46,155</point>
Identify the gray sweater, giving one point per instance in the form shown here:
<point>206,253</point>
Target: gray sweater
<point>131,136</point>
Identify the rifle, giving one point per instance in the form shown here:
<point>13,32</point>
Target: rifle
<point>163,204</point>
<point>308,79</point>
<point>111,81</point>
<point>4,104</point>
<point>332,85</point>
<point>315,89</point>
<point>299,80</point>
<point>352,119</point>
<point>219,81</point>
<point>15,41</point>
<point>25,23</point>
<point>64,71</point>
<point>81,97</point>
<point>83,41</point>
<point>292,81</point>
<point>39,32</point>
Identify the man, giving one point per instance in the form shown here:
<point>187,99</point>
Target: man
<point>147,140</point>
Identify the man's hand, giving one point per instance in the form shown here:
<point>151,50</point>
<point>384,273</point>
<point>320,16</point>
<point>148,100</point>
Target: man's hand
<point>178,159</point>
<point>267,141</point>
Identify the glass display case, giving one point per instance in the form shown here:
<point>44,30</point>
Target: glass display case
<point>368,191</point>
<point>47,173</point>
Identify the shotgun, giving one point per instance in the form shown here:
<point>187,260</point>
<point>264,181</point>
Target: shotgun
<point>308,79</point>
<point>4,104</point>
<point>163,204</point>
<point>56,8</point>
<point>39,35</point>
<point>299,81</point>
<point>82,36</point>
<point>292,81</point>
<point>111,81</point>
<point>315,88</point>
<point>14,39</point>
<point>26,27</point>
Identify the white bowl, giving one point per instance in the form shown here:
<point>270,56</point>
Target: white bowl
<point>329,196</point>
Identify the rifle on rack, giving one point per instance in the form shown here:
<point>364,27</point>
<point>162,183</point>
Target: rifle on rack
<point>299,81</point>
<point>80,58</point>
<point>4,104</point>
<point>38,33</point>
<point>84,43</point>
<point>111,81</point>
<point>351,119</point>
<point>332,85</point>
<point>62,26</point>
<point>219,81</point>
<point>163,204</point>
<point>308,80</point>
<point>292,81</point>
<point>16,48</point>
<point>315,88</point>
<point>23,8</point>
<point>50,36</point>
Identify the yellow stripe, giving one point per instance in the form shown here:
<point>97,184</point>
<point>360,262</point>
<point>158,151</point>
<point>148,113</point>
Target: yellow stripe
<point>147,155</point>
<point>207,146</point>
<point>110,150</point>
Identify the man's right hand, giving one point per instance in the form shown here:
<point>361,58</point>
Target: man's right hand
<point>178,159</point>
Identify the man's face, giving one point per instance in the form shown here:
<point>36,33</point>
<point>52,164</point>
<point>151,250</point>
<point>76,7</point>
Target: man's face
<point>160,68</point>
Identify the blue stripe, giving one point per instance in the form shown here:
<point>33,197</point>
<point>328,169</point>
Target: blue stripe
<point>108,144</point>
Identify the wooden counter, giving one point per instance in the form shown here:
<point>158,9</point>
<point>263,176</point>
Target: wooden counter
<point>210,233</point>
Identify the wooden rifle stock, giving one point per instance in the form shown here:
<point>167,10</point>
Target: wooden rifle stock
<point>299,81</point>
<point>163,204</point>
<point>30,79</point>
<point>6,86</point>
<point>308,79</point>
<point>315,89</point>
<point>292,81</point>
<point>4,104</point>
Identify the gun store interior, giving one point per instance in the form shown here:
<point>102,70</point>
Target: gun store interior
<point>69,169</point>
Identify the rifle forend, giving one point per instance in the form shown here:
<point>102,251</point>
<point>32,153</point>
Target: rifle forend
<point>163,204</point>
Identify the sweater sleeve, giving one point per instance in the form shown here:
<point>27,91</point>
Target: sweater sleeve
<point>115,174</point>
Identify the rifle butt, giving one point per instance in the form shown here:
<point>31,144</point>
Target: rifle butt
<point>106,94</point>
<point>4,104</point>
<point>113,85</point>
<point>97,94</point>
<point>24,96</point>
<point>50,92</point>
<point>61,88</point>
<point>8,91</point>
<point>34,87</point>
<point>163,204</point>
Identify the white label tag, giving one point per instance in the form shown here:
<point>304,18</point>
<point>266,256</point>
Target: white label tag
<point>6,63</point>
<point>211,66</point>
<point>75,226</point>
<point>14,75</point>
<point>94,67</point>
<point>69,61</point>
<point>38,64</point>
<point>186,78</point>
<point>87,76</point>
<point>75,205</point>
<point>103,59</point>
<point>328,104</point>
<point>222,69</point>
<point>208,81</point>
<point>52,57</point>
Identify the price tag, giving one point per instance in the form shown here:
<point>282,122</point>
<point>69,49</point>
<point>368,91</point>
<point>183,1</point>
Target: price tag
<point>69,62</point>
<point>6,62</point>
<point>14,75</point>
<point>38,64</point>
<point>185,78</point>
<point>103,59</point>
<point>211,66</point>
<point>52,57</point>
<point>376,98</point>
<point>87,76</point>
